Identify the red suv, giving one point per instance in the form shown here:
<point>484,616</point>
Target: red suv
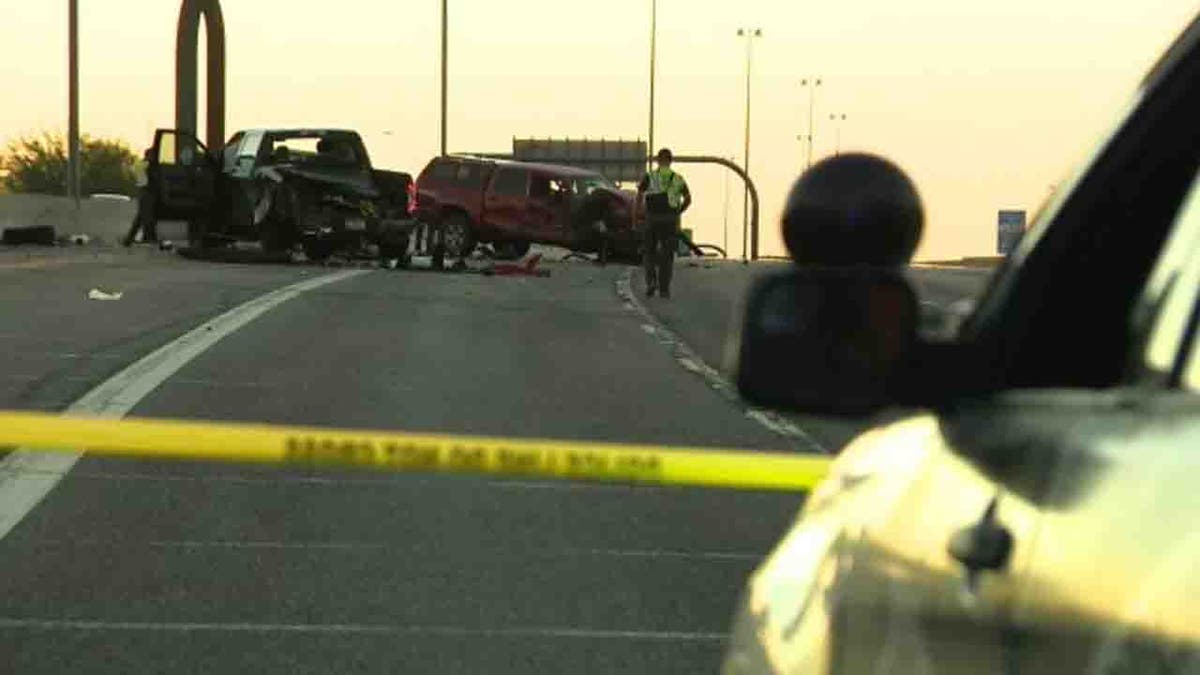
<point>510,205</point>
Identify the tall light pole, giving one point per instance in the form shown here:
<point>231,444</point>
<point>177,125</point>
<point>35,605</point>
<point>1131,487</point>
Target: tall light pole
<point>749,34</point>
<point>653,66</point>
<point>445,51</point>
<point>838,119</point>
<point>73,172</point>
<point>811,83</point>
<point>726,212</point>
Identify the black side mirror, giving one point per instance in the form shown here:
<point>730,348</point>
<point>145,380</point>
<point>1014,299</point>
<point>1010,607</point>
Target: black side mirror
<point>827,340</point>
<point>835,334</point>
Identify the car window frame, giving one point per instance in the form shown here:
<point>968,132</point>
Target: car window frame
<point>1187,374</point>
<point>1002,326</point>
<point>248,149</point>
<point>548,177</point>
<point>442,171</point>
<point>514,170</point>
<point>474,178</point>
<point>1165,314</point>
<point>229,153</point>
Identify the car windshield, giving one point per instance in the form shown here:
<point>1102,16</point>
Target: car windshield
<point>639,336</point>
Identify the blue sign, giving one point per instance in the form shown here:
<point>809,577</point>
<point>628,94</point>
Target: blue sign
<point>1011,226</point>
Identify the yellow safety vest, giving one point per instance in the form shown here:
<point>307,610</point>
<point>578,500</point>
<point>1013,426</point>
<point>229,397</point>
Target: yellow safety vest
<point>669,182</point>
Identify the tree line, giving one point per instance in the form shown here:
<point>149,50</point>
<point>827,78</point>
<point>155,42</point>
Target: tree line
<point>37,163</point>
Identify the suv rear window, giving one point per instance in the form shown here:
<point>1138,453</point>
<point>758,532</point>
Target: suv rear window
<point>510,182</point>
<point>465,174</point>
<point>443,171</point>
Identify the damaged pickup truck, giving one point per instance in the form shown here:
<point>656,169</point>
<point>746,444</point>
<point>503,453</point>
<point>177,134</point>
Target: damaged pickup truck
<point>313,189</point>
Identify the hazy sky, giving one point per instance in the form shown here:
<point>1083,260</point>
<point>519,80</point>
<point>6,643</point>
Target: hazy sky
<point>985,104</point>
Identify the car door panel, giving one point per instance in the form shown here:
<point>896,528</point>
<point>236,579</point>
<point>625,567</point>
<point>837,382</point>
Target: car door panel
<point>185,176</point>
<point>1113,585</point>
<point>504,201</point>
<point>1112,588</point>
<point>864,582</point>
<point>908,606</point>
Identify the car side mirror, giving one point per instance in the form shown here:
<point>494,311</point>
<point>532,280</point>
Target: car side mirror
<point>827,340</point>
<point>837,332</point>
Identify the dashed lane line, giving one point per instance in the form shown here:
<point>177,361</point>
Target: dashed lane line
<point>691,361</point>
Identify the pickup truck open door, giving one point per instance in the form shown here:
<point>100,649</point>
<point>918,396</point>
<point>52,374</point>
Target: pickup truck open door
<point>182,176</point>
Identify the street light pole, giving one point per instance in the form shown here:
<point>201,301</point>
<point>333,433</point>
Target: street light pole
<point>749,34</point>
<point>812,84</point>
<point>73,172</point>
<point>653,66</point>
<point>838,119</point>
<point>445,50</point>
<point>726,213</point>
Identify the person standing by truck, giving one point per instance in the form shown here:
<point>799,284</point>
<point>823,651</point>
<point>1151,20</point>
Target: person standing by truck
<point>664,194</point>
<point>147,184</point>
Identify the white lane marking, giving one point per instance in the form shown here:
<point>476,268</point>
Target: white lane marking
<point>664,553</point>
<point>232,384</point>
<point>27,477</point>
<point>361,629</point>
<point>688,358</point>
<point>219,544</point>
<point>35,378</point>
<point>70,356</point>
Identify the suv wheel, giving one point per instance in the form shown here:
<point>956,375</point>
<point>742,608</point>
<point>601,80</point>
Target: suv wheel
<point>457,238</point>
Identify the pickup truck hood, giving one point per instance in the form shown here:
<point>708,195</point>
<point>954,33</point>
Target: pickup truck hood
<point>626,196</point>
<point>356,180</point>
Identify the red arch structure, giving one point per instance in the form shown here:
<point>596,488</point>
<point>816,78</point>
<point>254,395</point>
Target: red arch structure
<point>186,56</point>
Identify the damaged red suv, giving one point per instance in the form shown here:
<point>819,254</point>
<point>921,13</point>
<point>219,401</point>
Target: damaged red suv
<point>470,201</point>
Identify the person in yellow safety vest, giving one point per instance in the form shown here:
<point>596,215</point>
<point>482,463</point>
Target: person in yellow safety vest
<point>147,183</point>
<point>666,197</point>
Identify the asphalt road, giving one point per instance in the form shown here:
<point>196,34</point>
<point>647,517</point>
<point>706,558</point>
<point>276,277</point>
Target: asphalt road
<point>140,566</point>
<point>155,567</point>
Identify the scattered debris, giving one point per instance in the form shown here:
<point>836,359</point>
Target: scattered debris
<point>98,294</point>
<point>526,269</point>
<point>42,235</point>
<point>166,245</point>
<point>80,239</point>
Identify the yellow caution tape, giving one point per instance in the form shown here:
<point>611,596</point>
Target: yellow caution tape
<point>411,452</point>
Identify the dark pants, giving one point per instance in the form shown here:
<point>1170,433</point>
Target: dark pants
<point>144,221</point>
<point>662,238</point>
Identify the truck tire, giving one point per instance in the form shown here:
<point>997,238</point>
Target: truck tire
<point>197,232</point>
<point>397,250</point>
<point>510,250</point>
<point>279,230</point>
<point>317,250</point>
<point>458,240</point>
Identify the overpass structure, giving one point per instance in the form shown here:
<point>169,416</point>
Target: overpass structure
<point>187,47</point>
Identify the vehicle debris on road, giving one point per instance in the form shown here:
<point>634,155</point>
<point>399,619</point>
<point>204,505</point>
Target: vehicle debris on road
<point>98,294</point>
<point>525,269</point>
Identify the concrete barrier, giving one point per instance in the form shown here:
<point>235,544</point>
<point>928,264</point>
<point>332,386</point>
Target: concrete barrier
<point>102,219</point>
